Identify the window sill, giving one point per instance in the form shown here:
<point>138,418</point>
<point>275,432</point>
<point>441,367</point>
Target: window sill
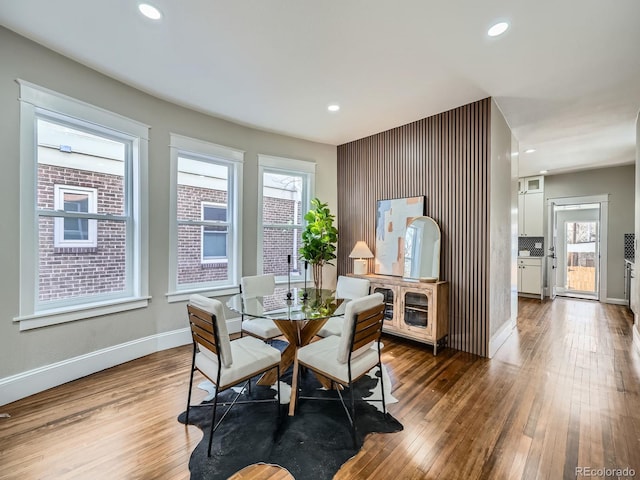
<point>70,314</point>
<point>207,265</point>
<point>183,295</point>
<point>59,249</point>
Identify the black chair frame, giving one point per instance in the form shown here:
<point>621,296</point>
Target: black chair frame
<point>205,330</point>
<point>362,333</point>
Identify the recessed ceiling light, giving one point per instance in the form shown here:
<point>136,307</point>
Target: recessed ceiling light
<point>149,11</point>
<point>498,29</point>
<point>334,107</point>
<point>544,171</point>
<point>530,150</point>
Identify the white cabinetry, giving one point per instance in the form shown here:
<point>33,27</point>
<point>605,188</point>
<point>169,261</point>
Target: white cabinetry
<point>530,276</point>
<point>533,184</point>
<point>530,206</point>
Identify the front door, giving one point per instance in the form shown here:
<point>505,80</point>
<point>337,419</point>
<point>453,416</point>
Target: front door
<point>578,250</point>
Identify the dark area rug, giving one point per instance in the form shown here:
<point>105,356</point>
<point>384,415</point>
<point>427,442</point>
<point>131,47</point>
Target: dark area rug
<point>313,444</point>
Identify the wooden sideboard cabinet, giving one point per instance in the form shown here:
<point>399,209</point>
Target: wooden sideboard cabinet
<point>413,309</point>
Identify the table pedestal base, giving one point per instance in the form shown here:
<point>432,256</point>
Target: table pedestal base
<point>298,334</point>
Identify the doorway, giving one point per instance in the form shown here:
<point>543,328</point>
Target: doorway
<point>578,247</point>
<point>578,250</point>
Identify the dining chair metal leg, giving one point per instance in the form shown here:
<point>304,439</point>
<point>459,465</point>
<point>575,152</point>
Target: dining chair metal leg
<point>384,405</point>
<point>278,387</point>
<point>193,362</point>
<point>353,414</point>
<point>213,422</point>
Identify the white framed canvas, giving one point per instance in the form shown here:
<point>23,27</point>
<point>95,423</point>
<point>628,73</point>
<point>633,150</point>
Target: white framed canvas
<point>392,217</point>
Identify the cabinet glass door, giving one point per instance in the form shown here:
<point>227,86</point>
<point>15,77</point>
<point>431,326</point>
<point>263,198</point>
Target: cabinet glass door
<point>416,310</point>
<point>387,293</point>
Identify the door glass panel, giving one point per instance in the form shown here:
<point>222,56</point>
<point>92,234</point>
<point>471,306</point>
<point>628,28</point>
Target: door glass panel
<point>416,309</point>
<point>387,293</point>
<point>581,256</point>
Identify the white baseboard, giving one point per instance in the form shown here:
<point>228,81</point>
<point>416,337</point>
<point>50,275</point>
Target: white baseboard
<point>636,337</point>
<point>501,336</point>
<point>617,301</point>
<point>39,379</point>
<point>234,325</point>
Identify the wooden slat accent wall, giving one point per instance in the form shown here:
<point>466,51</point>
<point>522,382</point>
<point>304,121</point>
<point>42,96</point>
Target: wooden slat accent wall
<point>445,157</point>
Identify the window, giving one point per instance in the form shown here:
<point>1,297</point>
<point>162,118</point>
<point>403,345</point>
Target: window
<point>83,214</point>
<point>287,189</point>
<point>75,231</point>
<point>214,237</point>
<point>205,243</point>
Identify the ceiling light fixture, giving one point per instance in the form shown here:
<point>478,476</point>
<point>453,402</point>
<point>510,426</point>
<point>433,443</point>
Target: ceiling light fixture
<point>498,29</point>
<point>530,150</point>
<point>544,171</point>
<point>149,11</point>
<point>334,107</point>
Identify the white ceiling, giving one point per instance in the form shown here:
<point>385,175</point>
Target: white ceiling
<point>566,74</point>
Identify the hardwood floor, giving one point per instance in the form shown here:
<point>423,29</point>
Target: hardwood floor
<point>563,392</point>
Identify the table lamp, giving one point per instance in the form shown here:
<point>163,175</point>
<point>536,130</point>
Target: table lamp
<point>360,252</point>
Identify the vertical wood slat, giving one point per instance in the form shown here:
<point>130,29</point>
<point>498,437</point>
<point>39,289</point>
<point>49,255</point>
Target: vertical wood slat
<point>446,158</point>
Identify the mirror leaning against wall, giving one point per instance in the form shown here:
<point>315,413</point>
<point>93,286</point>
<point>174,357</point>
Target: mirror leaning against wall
<point>422,250</point>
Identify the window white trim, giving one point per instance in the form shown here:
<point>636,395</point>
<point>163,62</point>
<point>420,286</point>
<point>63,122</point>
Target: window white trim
<point>201,147</point>
<point>180,145</point>
<point>38,96</point>
<point>305,169</point>
<point>36,101</point>
<point>287,164</point>
<point>58,226</point>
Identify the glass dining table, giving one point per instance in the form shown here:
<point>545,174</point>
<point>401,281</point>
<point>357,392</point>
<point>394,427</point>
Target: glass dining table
<point>299,313</point>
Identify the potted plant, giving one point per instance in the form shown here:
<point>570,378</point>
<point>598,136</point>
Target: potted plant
<point>319,239</point>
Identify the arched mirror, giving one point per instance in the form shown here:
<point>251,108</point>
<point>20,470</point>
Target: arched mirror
<point>422,250</point>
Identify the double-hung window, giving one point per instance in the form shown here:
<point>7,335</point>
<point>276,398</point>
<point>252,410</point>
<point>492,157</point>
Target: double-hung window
<point>83,210</point>
<point>214,237</point>
<point>205,211</point>
<point>286,187</point>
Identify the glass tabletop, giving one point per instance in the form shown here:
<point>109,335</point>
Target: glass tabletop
<point>303,304</point>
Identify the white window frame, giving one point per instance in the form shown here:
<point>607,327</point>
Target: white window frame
<point>201,150</point>
<point>39,102</point>
<point>214,260</point>
<point>283,166</point>
<point>58,225</point>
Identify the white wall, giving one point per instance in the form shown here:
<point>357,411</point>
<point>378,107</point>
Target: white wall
<point>73,349</point>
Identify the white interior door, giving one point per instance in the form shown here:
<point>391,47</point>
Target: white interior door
<point>578,250</point>
<point>552,258</point>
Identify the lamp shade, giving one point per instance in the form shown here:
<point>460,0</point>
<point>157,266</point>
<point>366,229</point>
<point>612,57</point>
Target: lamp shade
<point>361,251</point>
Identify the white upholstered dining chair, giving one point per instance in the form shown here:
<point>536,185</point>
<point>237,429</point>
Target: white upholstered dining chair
<point>347,358</point>
<point>225,363</point>
<point>348,288</point>
<point>252,287</point>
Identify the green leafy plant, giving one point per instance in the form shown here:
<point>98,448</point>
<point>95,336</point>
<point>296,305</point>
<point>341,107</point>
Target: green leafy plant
<point>319,239</point>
